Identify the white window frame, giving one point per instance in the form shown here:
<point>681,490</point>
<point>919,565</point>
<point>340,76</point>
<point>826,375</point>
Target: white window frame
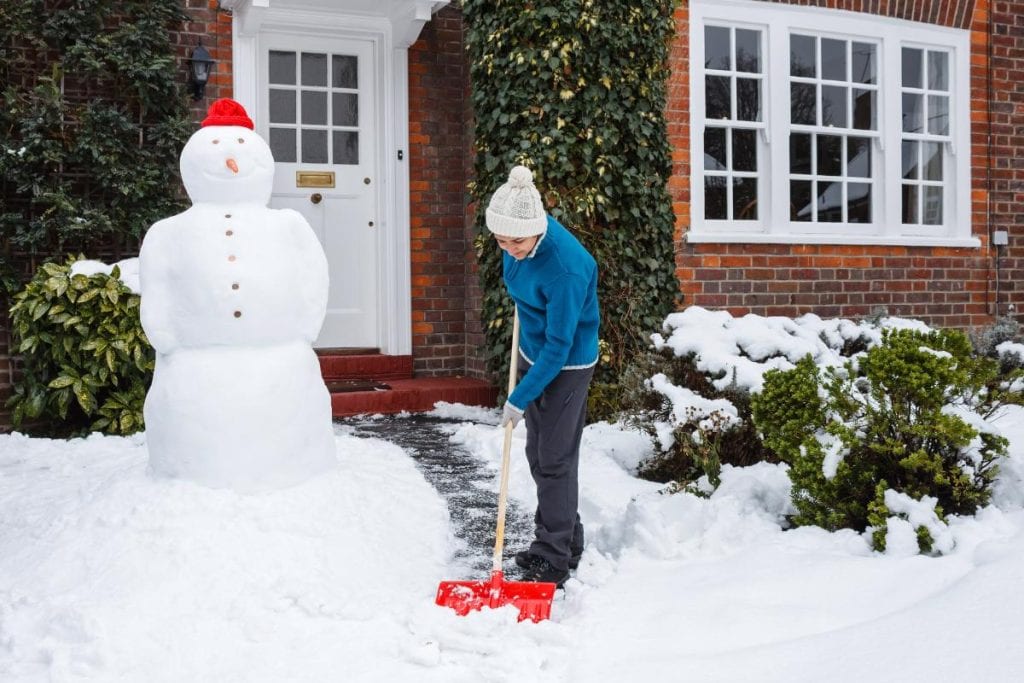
<point>890,35</point>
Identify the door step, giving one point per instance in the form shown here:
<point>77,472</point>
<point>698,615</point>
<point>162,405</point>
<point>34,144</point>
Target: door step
<point>366,366</point>
<point>414,395</point>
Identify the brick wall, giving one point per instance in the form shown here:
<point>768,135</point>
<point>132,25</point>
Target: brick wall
<point>440,241</point>
<point>212,27</point>
<point>944,286</point>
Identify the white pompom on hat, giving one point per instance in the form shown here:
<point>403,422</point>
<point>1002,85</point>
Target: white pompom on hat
<point>516,209</point>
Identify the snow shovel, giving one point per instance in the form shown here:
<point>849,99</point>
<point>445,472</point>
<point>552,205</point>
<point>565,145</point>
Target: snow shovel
<point>532,599</point>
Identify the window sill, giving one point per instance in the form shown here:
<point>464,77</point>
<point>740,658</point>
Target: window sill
<point>695,237</point>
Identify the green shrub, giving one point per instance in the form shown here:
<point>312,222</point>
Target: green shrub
<point>898,415</point>
<point>699,441</point>
<point>87,362</point>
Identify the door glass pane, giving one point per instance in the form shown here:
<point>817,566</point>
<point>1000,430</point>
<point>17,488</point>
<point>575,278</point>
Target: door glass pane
<point>314,69</point>
<point>833,59</point>
<point>345,109</point>
<point>863,63</point>
<point>314,146</point>
<point>344,71</point>
<point>716,48</point>
<point>911,68</point>
<point>913,116</point>
<point>715,198</point>
<point>282,67</point>
<point>858,157</point>
<point>833,106</point>
<point>801,56</point>
<point>314,108</point>
<point>748,51</point>
<point>282,106</point>
<point>346,147</point>
<point>282,145</point>
<point>744,150</point>
<point>858,203</point>
<point>800,153</point>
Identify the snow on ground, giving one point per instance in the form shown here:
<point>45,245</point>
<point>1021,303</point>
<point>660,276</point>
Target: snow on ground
<point>107,574</point>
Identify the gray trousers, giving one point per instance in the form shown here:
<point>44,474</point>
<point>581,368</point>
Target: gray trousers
<point>554,426</point>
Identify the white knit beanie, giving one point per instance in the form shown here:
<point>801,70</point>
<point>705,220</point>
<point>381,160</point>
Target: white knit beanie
<point>516,209</point>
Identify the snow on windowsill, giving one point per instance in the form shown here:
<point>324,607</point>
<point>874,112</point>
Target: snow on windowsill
<point>698,237</point>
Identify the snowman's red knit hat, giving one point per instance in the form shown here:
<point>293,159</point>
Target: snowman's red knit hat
<point>227,112</point>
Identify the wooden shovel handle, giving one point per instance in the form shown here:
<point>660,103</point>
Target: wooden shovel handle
<point>506,449</point>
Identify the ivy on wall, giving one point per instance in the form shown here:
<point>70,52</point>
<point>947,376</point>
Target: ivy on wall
<point>576,91</point>
<point>92,120</point>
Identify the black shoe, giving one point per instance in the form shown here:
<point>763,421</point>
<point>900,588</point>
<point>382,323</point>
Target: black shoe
<point>525,559</point>
<point>542,571</point>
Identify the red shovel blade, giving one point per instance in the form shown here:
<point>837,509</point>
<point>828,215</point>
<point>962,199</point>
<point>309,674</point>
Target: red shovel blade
<point>532,599</point>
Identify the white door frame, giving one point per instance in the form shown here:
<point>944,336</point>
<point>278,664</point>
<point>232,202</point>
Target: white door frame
<point>391,31</point>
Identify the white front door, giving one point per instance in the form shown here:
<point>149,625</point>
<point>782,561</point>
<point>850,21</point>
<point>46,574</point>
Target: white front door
<point>317,112</point>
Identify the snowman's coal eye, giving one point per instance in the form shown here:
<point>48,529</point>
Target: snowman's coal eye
<point>241,140</point>
<point>216,142</point>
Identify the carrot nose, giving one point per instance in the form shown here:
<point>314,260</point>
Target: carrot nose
<point>232,165</point>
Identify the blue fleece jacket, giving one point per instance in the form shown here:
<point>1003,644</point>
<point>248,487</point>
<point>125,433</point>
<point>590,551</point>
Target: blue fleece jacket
<point>555,289</point>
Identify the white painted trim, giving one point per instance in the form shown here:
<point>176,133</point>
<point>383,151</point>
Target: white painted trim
<point>890,34</point>
<point>392,31</point>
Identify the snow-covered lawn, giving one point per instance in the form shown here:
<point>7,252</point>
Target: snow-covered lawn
<point>108,574</point>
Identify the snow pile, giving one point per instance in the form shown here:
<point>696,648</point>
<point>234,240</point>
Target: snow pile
<point>129,269</point>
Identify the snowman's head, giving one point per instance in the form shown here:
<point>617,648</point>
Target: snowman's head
<point>225,160</point>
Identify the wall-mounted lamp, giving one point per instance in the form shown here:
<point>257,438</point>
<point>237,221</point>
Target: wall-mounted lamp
<point>201,64</point>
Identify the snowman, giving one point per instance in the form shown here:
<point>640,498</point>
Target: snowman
<point>233,295</point>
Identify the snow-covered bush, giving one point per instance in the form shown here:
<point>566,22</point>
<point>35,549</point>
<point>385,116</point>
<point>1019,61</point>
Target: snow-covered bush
<point>904,419</point>
<point>86,360</point>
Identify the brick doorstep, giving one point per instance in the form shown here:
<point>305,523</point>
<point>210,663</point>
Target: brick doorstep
<point>366,366</point>
<point>415,395</point>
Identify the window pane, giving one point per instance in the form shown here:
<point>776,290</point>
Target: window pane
<point>858,157</point>
<point>833,105</point>
<point>833,59</point>
<point>282,106</point>
<point>282,145</point>
<point>714,150</point>
<point>864,110</point>
<point>748,51</point>
<point>345,109</point>
<point>863,63</point>
<point>858,203</point>
<point>912,114</point>
<point>801,56</point>
<point>716,48</point>
<point>719,97</point>
<point>803,103</point>
<point>911,68</point>
<point>715,201</point>
<point>801,207</point>
<point>938,114</point>
<point>314,69</point>
<point>910,205</point>
<point>830,155</point>
<point>938,71</point>
<point>346,147</point>
<point>910,160</point>
<point>748,99</point>
<point>344,71</point>
<point>800,153</point>
<point>830,202</point>
<point>314,146</point>
<point>744,150</point>
<point>282,67</point>
<point>744,199</point>
<point>314,108</point>
<point>932,160</point>
<point>932,210</point>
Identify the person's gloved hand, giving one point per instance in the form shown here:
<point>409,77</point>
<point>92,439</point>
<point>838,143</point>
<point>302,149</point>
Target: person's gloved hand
<point>509,413</point>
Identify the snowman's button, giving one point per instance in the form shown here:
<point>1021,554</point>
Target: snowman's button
<point>234,285</point>
<point>227,215</point>
<point>231,258</point>
<point>238,314</point>
<point>229,233</point>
